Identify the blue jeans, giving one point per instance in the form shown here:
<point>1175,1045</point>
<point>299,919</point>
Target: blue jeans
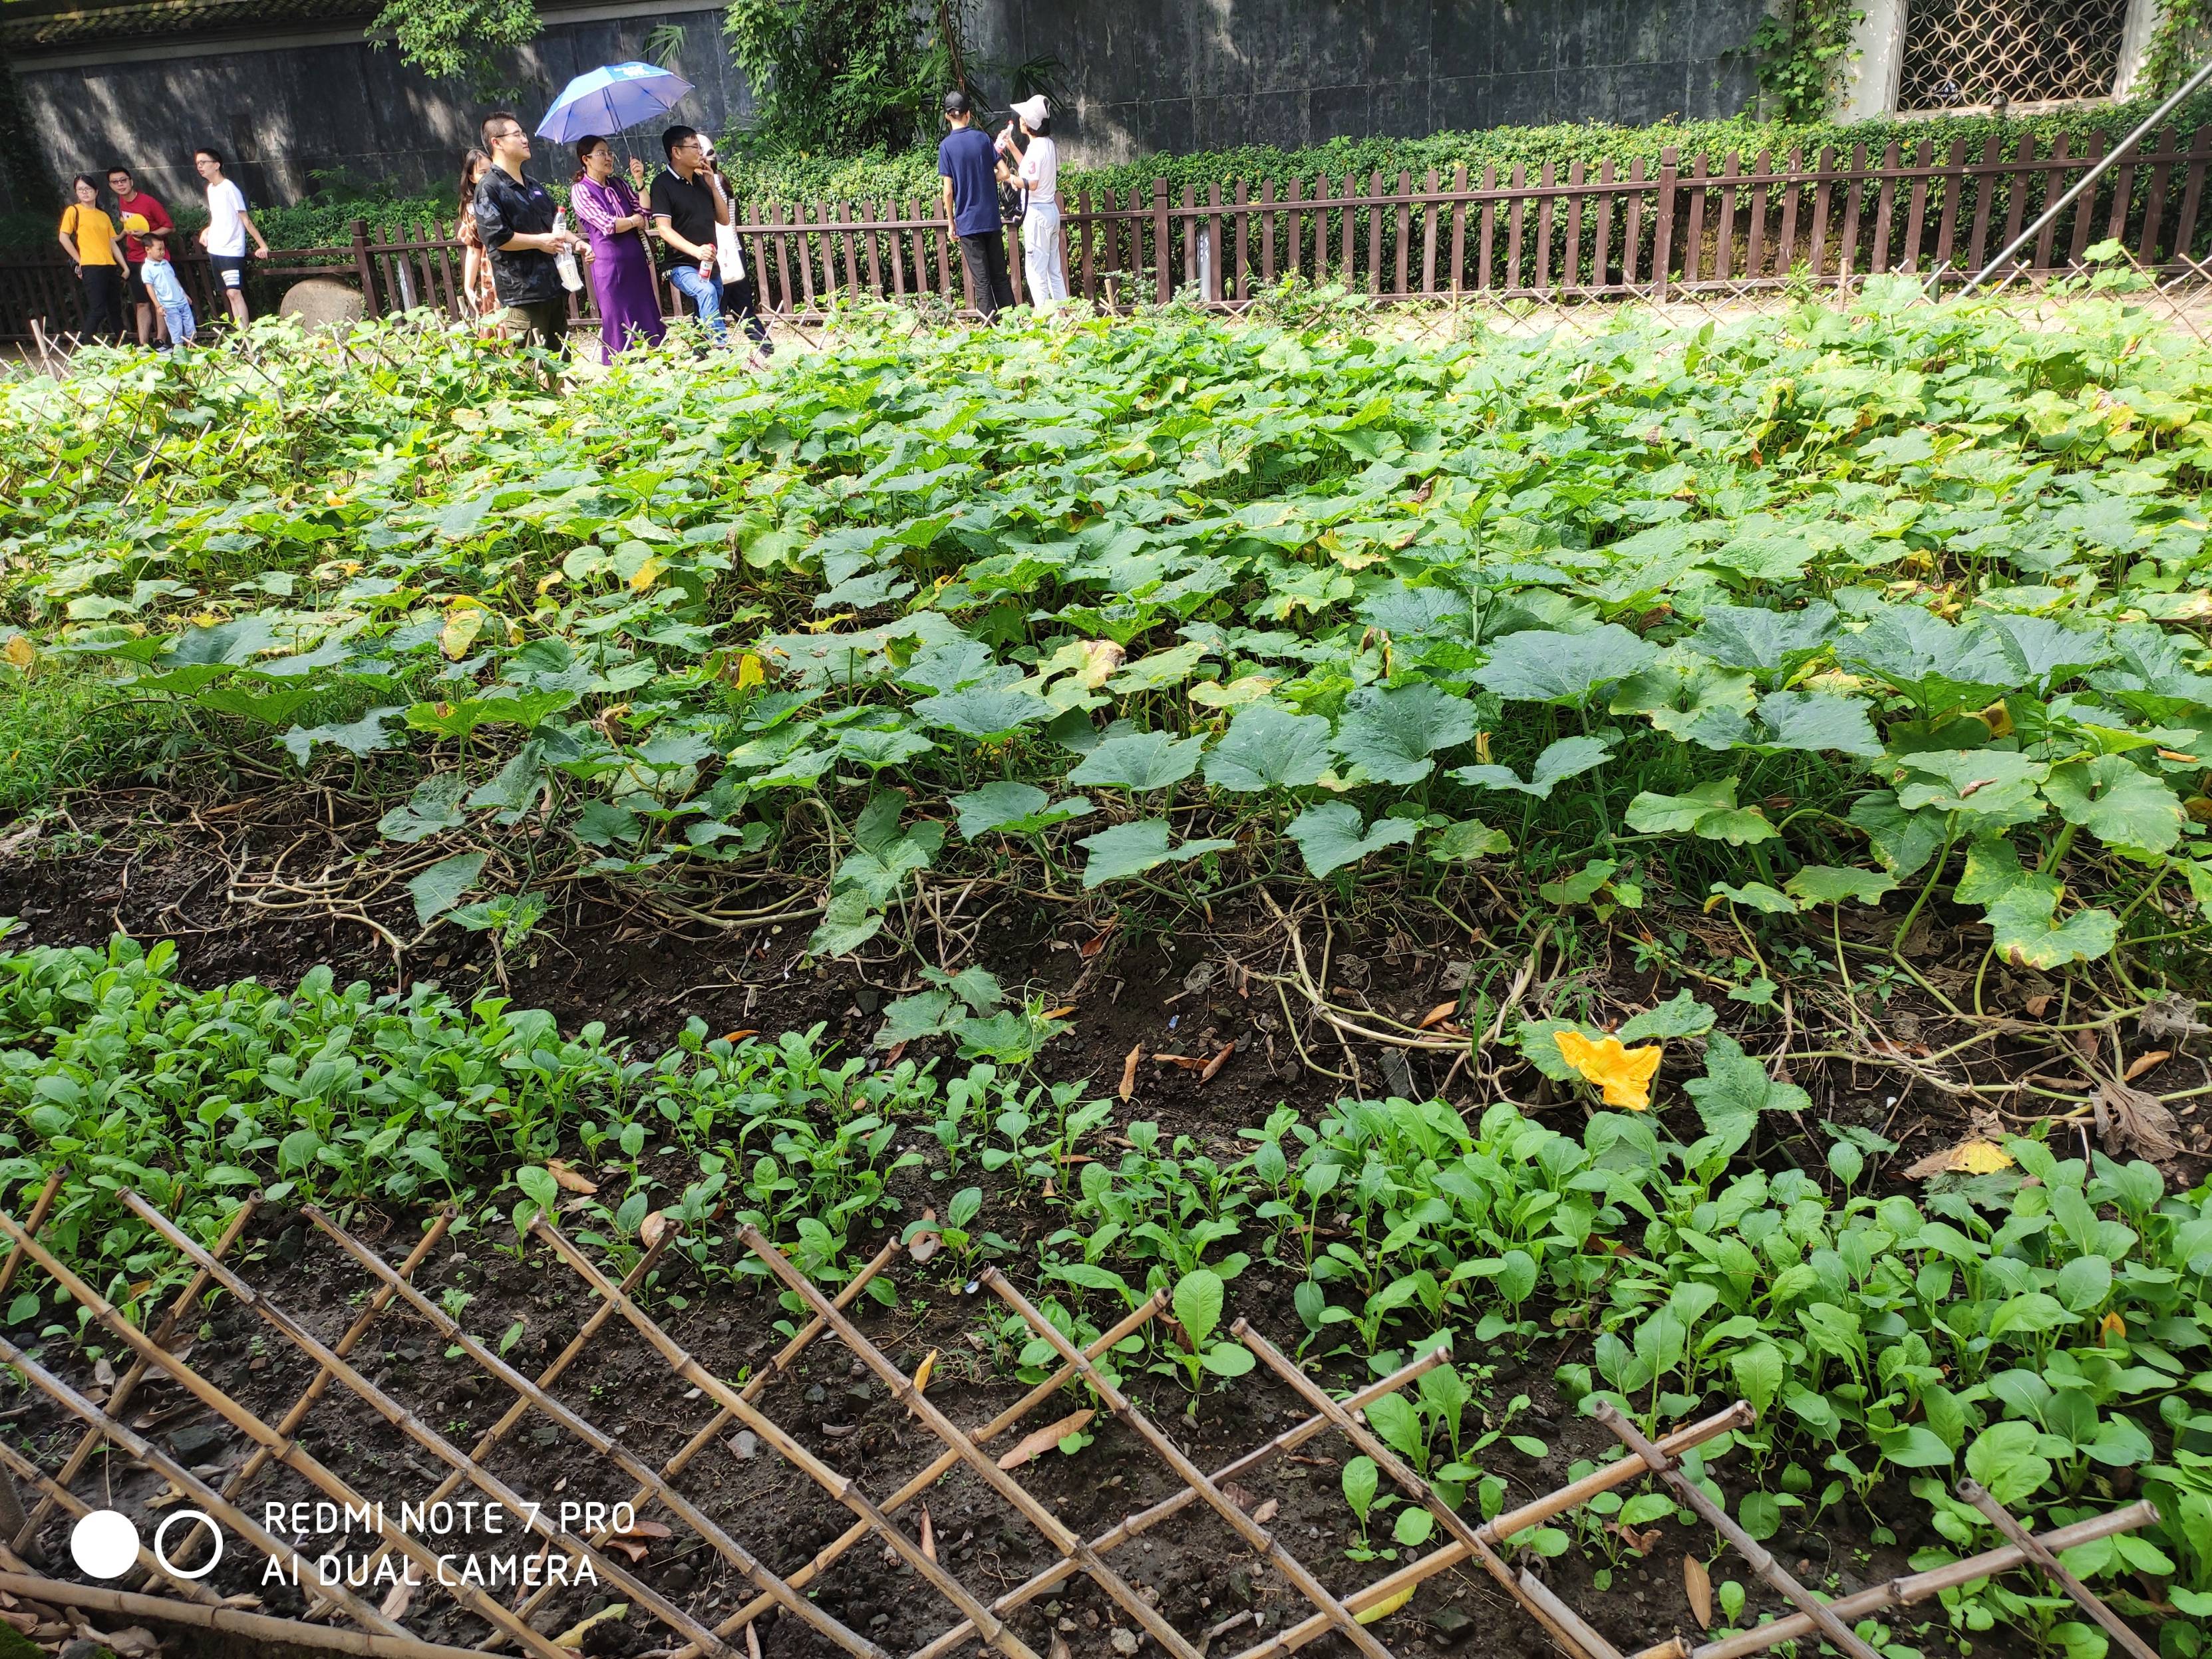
<point>180,321</point>
<point>705,294</point>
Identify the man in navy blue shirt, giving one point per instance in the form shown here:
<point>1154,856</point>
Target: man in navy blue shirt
<point>968,162</point>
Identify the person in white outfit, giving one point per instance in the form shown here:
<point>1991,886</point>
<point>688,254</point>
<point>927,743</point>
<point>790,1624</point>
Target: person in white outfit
<point>1036,160</point>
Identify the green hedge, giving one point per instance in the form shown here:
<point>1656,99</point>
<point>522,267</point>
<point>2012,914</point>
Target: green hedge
<point>787,177</point>
<point>805,177</point>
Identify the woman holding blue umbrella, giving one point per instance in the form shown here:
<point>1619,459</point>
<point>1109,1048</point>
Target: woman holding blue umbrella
<point>622,262</point>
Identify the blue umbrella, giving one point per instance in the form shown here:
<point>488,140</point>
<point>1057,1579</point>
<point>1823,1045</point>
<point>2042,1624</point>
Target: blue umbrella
<point>606,101</point>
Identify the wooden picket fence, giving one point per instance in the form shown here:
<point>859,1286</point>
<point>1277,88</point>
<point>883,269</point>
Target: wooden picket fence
<point>1552,232</point>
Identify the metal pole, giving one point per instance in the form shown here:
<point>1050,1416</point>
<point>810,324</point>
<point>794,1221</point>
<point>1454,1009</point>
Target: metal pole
<point>2091,177</point>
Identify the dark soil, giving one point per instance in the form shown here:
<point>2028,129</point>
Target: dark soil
<point>1194,1568</point>
<point>156,867</point>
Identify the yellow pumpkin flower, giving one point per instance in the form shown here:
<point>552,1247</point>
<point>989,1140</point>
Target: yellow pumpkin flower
<point>1625,1074</point>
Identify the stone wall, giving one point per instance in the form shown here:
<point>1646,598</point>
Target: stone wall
<point>1181,75</point>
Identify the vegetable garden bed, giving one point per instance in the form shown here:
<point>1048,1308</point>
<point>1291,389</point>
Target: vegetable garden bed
<point>1676,856</point>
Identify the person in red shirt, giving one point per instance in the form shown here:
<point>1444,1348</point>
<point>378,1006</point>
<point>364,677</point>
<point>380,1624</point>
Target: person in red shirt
<point>128,198</point>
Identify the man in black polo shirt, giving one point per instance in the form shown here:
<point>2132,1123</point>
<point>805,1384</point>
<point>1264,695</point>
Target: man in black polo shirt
<point>517,218</point>
<point>686,204</point>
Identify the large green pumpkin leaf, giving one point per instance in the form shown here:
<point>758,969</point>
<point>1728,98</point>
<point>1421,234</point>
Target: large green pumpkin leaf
<point>1691,698</point>
<point>1817,722</point>
<point>2117,801</point>
<point>1139,761</point>
<point>985,713</point>
<point>1568,757</point>
<point>1330,836</point>
<point>1828,883</point>
<point>1540,665</point>
<point>1764,640</point>
<point>1708,811</point>
<point>2027,934</point>
<point>439,888</point>
<point>1392,734</point>
<point>1935,663</point>
<point>1130,849</point>
<point>1268,747</point>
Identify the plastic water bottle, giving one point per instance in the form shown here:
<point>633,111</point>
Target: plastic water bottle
<point>565,260</point>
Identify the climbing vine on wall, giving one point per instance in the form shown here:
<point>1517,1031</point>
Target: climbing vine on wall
<point>2176,41</point>
<point>455,38</point>
<point>845,76</point>
<point>1802,55</point>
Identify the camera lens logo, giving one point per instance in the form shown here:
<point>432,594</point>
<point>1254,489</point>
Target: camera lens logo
<point>104,1544</point>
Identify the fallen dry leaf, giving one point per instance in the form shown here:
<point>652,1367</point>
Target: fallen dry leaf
<point>1060,1013</point>
<point>1129,1071</point>
<point>20,652</point>
<point>573,1637</point>
<point>2130,1121</point>
<point>928,1536</point>
<point>740,1036</point>
<point>1091,946</point>
<point>2142,1063</point>
<point>1625,1074</point>
<point>752,1641</point>
<point>926,1243</point>
<point>1266,1511</point>
<point>1972,1156</point>
<point>394,1605</point>
<point>1212,1067</point>
<point>2040,1005</point>
<point>629,1547</point>
<point>653,1229</point>
<point>645,1530</point>
<point>921,1376</point>
<point>1438,1015</point>
<point>1059,1648</point>
<point>1044,1439</point>
<point>1189,1062</point>
<point>569,1179</point>
<point>1697,1585</point>
<point>2169,1018</point>
<point>1240,1496</point>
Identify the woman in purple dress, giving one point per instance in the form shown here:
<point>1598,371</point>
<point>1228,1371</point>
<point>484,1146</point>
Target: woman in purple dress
<point>621,261</point>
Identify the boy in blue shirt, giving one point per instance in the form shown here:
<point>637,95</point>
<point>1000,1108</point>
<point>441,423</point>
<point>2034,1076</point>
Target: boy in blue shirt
<point>968,163</point>
<point>166,290</point>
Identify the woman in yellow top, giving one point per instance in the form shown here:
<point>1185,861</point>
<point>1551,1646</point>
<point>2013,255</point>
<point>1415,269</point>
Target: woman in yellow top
<point>91,235</point>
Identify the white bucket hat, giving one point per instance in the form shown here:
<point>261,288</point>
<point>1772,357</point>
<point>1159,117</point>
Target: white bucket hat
<point>1032,110</point>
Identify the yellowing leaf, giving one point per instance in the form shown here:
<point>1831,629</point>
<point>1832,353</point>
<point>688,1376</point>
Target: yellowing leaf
<point>749,671</point>
<point>647,574</point>
<point>19,652</point>
<point>573,1637</point>
<point>464,620</point>
<point>921,1371</point>
<point>1625,1074</point>
<point>2110,1326</point>
<point>1972,1156</point>
<point>1384,1609</point>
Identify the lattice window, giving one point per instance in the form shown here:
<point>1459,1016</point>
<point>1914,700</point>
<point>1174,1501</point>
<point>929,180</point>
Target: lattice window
<point>1977,52</point>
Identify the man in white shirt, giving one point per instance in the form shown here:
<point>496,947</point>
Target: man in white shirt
<point>229,224</point>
